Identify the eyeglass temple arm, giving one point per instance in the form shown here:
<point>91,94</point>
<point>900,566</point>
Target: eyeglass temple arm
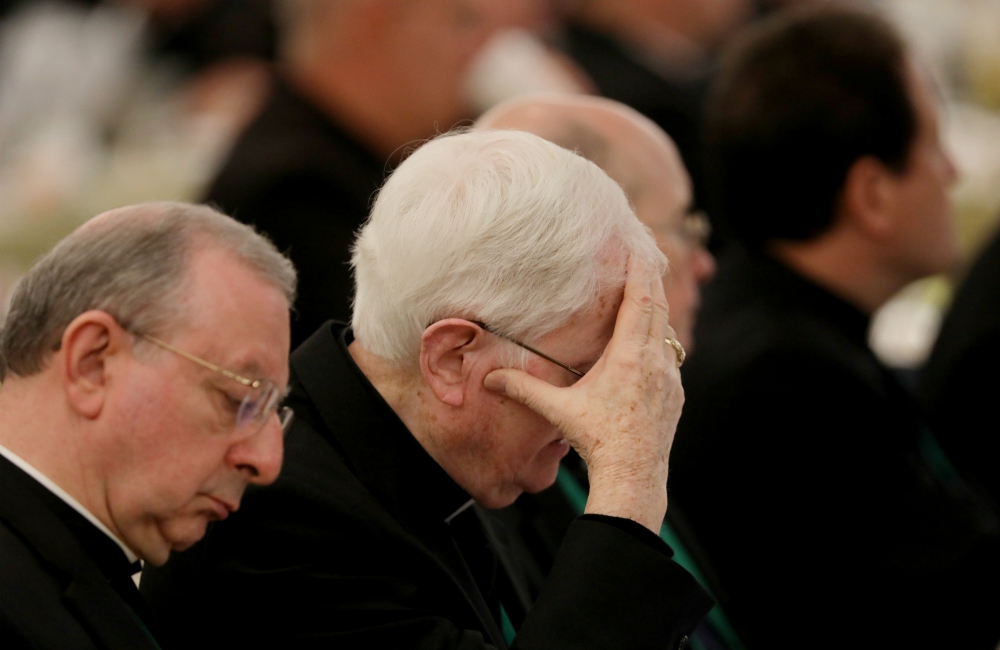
<point>528,348</point>
<point>201,362</point>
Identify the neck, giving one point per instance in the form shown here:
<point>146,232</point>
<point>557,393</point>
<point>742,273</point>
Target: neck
<point>847,266</point>
<point>38,427</point>
<point>403,390</point>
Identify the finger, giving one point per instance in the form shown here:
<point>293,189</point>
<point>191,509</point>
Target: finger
<point>669,349</point>
<point>539,396</point>
<point>636,311</point>
<point>660,319</point>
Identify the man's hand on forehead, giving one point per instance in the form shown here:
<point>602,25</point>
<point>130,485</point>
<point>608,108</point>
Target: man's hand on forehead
<point>622,415</point>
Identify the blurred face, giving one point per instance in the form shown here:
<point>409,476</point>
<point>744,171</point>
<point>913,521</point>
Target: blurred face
<point>506,448</point>
<point>181,462</point>
<point>435,41</point>
<point>664,206</point>
<point>925,243</point>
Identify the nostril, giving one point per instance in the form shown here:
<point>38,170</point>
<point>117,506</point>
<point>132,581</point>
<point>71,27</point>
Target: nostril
<point>249,469</point>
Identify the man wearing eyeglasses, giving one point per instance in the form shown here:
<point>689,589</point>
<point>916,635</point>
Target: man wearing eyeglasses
<point>143,360</point>
<point>640,157</point>
<point>509,305</point>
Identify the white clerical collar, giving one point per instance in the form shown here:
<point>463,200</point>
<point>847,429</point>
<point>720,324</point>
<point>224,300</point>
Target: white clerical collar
<point>62,494</point>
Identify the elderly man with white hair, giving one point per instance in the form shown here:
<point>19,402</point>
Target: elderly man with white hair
<point>509,305</point>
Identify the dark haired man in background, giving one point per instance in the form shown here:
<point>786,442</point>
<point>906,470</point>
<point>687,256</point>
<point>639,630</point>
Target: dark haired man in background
<point>849,525</point>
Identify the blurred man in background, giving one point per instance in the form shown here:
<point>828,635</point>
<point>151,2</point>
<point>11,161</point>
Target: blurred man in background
<point>360,80</point>
<point>824,502</point>
<point>142,362</point>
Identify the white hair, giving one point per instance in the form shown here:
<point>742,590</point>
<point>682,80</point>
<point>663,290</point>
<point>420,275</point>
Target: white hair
<point>501,227</point>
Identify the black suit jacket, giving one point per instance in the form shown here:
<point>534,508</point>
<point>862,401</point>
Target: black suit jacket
<point>307,184</point>
<point>959,384</point>
<point>350,549</point>
<point>63,583</point>
<point>805,469</point>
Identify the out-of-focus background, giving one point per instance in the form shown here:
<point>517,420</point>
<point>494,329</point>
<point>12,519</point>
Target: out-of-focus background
<point>115,102</point>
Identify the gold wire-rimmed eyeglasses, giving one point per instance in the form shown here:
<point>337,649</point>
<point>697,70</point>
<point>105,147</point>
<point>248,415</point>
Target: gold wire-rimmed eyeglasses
<point>257,405</point>
<point>527,347</point>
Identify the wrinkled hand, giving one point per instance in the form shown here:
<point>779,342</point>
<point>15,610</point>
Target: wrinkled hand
<point>621,417</point>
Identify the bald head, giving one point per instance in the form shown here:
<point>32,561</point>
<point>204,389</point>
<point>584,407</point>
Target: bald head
<point>629,147</point>
<point>640,157</point>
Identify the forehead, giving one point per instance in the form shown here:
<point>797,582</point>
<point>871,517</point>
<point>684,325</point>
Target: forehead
<point>233,317</point>
<point>923,96</point>
<point>587,333</point>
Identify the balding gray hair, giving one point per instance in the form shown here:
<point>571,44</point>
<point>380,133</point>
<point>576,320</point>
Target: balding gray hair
<point>131,263</point>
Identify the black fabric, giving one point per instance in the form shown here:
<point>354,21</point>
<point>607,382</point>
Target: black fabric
<point>63,583</point>
<point>350,549</point>
<point>536,525</point>
<point>298,177</point>
<point>959,384</point>
<point>220,30</point>
<point>815,486</point>
<point>620,73</point>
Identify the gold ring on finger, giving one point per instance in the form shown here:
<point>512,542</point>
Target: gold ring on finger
<point>678,348</point>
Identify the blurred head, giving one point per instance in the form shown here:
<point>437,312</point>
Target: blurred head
<point>509,230</point>
<point>703,24</point>
<point>152,437</point>
<point>640,157</point>
<point>408,59</point>
<point>819,116</point>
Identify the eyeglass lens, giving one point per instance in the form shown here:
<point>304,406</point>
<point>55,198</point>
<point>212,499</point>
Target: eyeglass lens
<point>257,405</point>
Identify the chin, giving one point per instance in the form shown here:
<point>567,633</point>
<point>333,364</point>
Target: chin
<point>546,466</point>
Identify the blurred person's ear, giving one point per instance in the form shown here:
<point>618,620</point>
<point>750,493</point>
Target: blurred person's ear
<point>867,198</point>
<point>89,345</point>
<point>448,351</point>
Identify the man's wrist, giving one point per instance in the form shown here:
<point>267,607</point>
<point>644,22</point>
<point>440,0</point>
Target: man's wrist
<point>643,502</point>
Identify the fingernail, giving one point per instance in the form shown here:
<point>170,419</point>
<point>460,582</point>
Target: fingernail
<point>495,382</point>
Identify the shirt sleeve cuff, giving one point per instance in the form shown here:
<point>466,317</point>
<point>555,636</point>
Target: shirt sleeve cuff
<point>635,529</point>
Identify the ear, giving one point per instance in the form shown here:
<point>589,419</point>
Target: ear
<point>448,350</point>
<point>90,341</point>
<point>868,196</point>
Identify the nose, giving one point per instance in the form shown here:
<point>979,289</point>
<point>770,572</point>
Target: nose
<point>704,264</point>
<point>259,457</point>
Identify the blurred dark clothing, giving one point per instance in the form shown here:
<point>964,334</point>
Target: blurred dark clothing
<point>830,513</point>
<point>223,29</point>
<point>959,384</point>
<point>620,73</point>
<point>220,30</point>
<point>365,542</point>
<point>308,185</point>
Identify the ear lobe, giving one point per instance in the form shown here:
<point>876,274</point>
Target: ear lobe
<point>88,343</point>
<point>867,197</point>
<point>447,350</point>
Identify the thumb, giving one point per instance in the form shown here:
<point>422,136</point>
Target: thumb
<point>540,396</point>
